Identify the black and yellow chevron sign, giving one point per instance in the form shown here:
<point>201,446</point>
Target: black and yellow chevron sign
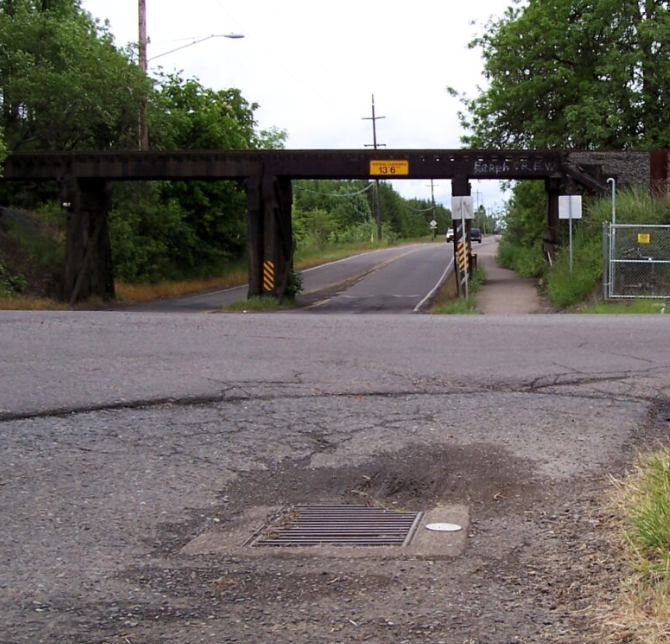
<point>462,256</point>
<point>268,276</point>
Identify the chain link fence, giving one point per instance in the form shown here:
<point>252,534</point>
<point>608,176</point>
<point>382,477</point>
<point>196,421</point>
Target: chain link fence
<point>636,261</point>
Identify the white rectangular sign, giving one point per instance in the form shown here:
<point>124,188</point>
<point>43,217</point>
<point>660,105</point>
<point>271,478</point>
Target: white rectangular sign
<point>462,208</point>
<point>570,207</point>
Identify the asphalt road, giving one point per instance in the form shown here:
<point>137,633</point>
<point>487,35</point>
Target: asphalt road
<point>139,451</point>
<point>388,280</point>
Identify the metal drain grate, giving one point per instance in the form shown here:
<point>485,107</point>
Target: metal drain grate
<point>337,525</point>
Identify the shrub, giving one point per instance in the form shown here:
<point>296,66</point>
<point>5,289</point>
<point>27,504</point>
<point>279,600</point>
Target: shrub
<point>11,285</point>
<point>633,206</point>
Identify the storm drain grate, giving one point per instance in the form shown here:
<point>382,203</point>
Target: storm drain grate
<point>337,525</point>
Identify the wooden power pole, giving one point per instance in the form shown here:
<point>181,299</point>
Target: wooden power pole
<point>143,61</point>
<point>375,145</point>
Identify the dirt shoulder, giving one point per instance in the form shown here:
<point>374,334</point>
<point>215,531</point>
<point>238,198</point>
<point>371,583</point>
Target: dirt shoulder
<point>504,292</point>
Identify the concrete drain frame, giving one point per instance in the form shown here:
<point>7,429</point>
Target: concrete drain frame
<point>237,537</point>
<point>337,525</point>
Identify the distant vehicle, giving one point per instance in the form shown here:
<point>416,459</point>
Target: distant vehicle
<point>476,235</point>
<point>450,235</point>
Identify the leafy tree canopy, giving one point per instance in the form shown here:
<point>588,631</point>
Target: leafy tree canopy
<point>3,149</point>
<point>574,73</point>
<point>63,83</point>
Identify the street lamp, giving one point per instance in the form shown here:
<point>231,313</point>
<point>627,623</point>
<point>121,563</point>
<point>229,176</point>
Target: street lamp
<point>144,64</point>
<point>195,42</point>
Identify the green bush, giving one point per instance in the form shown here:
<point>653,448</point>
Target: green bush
<point>293,284</point>
<point>527,262</point>
<point>633,207</point>
<point>11,285</point>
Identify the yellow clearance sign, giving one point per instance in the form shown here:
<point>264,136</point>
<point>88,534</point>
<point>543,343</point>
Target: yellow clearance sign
<point>390,168</point>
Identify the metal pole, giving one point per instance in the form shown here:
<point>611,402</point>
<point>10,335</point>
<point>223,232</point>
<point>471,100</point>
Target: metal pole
<point>142,55</point>
<point>612,252</point>
<point>570,218</point>
<point>464,242</point>
<point>613,182</point>
<point>378,211</point>
<point>605,262</point>
<point>433,212</point>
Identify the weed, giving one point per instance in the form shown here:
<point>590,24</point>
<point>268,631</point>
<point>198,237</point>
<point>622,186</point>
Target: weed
<point>22,303</point>
<point>464,305</point>
<point>626,307</point>
<point>263,303</point>
<point>642,506</point>
<point>11,285</point>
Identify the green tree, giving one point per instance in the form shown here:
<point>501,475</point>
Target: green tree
<point>574,73</point>
<point>189,116</point>
<point>346,201</point>
<point>3,148</point>
<point>569,74</point>
<point>180,229</point>
<point>63,83</point>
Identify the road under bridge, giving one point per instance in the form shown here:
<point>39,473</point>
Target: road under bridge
<point>85,179</point>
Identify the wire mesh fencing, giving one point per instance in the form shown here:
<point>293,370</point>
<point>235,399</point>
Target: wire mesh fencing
<point>636,261</point>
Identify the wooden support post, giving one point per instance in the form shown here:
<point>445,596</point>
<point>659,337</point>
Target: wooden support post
<point>285,230</point>
<point>88,267</point>
<point>255,236</point>
<point>276,245</point>
<point>271,247</point>
<point>658,170</point>
<point>552,233</point>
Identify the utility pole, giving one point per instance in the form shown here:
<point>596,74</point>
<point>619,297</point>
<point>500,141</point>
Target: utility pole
<point>143,61</point>
<point>434,210</point>
<point>478,194</point>
<point>375,145</point>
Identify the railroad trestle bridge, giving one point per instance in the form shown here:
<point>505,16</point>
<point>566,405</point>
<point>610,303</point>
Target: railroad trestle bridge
<point>85,179</point>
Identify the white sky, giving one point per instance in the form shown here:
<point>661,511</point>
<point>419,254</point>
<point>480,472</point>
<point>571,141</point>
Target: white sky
<point>312,66</point>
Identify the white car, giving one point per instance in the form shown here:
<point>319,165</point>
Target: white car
<point>450,235</point>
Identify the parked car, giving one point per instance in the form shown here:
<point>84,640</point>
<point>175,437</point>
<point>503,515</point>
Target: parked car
<point>450,235</point>
<point>475,235</point>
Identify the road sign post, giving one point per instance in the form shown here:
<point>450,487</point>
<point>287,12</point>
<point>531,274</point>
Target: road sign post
<point>462,209</point>
<point>570,207</point>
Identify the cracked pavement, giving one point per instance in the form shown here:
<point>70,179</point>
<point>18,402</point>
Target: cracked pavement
<point>125,439</point>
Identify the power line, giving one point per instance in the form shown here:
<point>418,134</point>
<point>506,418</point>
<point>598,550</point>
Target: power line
<point>333,194</point>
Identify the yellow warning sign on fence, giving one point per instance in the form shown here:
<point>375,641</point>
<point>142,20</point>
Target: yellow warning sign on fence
<point>643,238</point>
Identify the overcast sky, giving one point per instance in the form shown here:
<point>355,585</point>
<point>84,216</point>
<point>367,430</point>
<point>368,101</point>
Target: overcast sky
<point>313,65</point>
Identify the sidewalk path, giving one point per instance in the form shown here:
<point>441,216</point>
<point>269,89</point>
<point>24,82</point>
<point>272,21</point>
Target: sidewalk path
<point>503,292</point>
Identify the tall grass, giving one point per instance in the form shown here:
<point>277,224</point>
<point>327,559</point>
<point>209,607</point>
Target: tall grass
<point>633,207</point>
<point>525,261</point>
<point>643,508</point>
<point>462,305</point>
<point>41,242</point>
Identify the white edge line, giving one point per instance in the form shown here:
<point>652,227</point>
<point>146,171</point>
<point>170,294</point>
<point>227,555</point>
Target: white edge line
<point>306,270</point>
<point>419,306</point>
<point>345,259</point>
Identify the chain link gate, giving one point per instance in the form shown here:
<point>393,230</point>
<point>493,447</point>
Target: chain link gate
<point>636,261</point>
